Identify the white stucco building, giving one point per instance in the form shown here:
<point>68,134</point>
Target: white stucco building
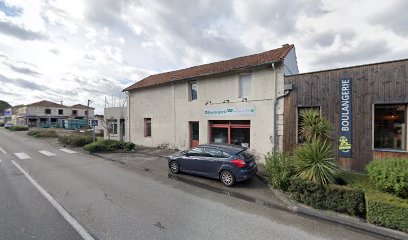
<point>232,101</point>
<point>115,121</point>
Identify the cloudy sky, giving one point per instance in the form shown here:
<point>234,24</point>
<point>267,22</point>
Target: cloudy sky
<point>76,50</point>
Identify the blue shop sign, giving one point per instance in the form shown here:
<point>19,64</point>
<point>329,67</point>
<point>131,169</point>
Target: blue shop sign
<point>345,117</point>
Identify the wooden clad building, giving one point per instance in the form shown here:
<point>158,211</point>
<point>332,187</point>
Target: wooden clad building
<point>367,106</point>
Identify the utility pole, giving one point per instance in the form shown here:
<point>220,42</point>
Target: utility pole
<point>87,115</point>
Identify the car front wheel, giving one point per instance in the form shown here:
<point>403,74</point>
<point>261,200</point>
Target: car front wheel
<point>227,178</point>
<point>174,167</point>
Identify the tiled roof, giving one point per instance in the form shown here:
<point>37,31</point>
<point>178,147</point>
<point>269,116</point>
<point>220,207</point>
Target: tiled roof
<point>215,68</point>
<point>45,103</point>
<point>80,106</point>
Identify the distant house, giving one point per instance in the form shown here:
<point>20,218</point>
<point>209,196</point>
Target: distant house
<point>48,114</point>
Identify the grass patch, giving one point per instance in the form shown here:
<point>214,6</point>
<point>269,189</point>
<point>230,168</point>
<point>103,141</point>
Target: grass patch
<point>18,128</point>
<point>109,146</point>
<point>43,133</point>
<point>76,140</point>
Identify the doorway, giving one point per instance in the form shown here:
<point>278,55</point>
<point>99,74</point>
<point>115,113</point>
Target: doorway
<point>194,134</point>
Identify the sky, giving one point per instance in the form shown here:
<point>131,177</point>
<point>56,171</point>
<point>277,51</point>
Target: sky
<point>76,50</point>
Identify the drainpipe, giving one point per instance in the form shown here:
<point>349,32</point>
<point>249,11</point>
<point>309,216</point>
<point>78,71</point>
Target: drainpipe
<point>287,90</point>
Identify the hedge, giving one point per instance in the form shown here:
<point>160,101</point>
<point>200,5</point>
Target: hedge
<point>43,133</point>
<point>390,175</point>
<point>386,211</point>
<point>18,128</point>
<point>336,198</point>
<point>109,146</point>
<point>76,140</point>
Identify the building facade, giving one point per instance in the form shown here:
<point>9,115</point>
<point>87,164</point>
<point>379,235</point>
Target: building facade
<point>237,101</point>
<point>116,123</point>
<point>47,114</point>
<point>367,106</point>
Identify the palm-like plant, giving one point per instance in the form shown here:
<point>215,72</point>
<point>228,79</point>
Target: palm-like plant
<point>314,126</point>
<point>314,161</point>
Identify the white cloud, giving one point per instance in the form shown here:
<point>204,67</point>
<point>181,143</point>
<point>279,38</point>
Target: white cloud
<point>78,50</point>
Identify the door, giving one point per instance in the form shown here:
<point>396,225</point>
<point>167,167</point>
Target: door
<point>211,161</point>
<point>189,162</point>
<point>194,134</point>
<point>122,130</point>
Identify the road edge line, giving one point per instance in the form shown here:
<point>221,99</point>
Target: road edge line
<point>65,214</point>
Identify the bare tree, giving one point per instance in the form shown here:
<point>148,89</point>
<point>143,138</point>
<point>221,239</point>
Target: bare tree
<point>107,125</point>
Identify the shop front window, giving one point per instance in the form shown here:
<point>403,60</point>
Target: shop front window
<point>231,132</point>
<point>390,127</point>
<point>220,135</point>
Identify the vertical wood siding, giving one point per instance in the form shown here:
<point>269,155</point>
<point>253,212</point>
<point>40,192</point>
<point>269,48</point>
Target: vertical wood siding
<point>382,83</point>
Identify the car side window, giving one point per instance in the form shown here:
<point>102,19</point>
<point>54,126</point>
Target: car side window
<point>195,152</point>
<point>211,152</point>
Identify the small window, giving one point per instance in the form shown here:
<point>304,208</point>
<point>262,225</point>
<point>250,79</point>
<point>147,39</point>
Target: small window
<point>60,111</point>
<point>86,112</point>
<point>193,91</point>
<point>245,85</point>
<point>390,127</point>
<point>47,111</point>
<point>195,152</point>
<point>74,112</point>
<point>147,127</point>
<point>114,128</point>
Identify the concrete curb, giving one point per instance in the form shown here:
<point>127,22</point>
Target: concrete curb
<point>338,218</point>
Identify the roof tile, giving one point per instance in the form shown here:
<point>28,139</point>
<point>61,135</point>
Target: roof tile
<point>214,68</point>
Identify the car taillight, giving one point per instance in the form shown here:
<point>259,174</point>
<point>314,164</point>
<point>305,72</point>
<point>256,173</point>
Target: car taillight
<point>239,163</point>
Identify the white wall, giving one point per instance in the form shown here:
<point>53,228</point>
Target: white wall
<point>170,110</point>
<point>290,61</point>
<point>115,114</point>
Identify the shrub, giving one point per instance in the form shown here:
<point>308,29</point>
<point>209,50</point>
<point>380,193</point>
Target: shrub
<point>76,140</point>
<point>388,211</point>
<point>390,175</point>
<point>43,133</point>
<point>18,128</point>
<point>314,126</point>
<point>336,198</point>
<point>279,168</point>
<point>314,162</point>
<point>129,146</point>
<point>108,146</point>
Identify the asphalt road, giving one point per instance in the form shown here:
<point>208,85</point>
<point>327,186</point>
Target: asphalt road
<point>114,201</point>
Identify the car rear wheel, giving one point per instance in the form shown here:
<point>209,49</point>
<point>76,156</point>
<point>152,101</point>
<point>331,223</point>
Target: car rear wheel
<point>174,167</point>
<point>227,178</point>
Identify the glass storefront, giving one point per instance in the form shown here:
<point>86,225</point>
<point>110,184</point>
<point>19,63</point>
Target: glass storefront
<point>230,132</point>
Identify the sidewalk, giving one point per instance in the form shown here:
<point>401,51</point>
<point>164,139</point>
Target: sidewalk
<point>155,160</point>
<point>254,190</point>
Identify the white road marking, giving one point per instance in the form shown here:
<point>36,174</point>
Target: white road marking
<point>70,219</point>
<point>67,150</point>
<point>22,155</point>
<point>2,150</point>
<point>47,153</point>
